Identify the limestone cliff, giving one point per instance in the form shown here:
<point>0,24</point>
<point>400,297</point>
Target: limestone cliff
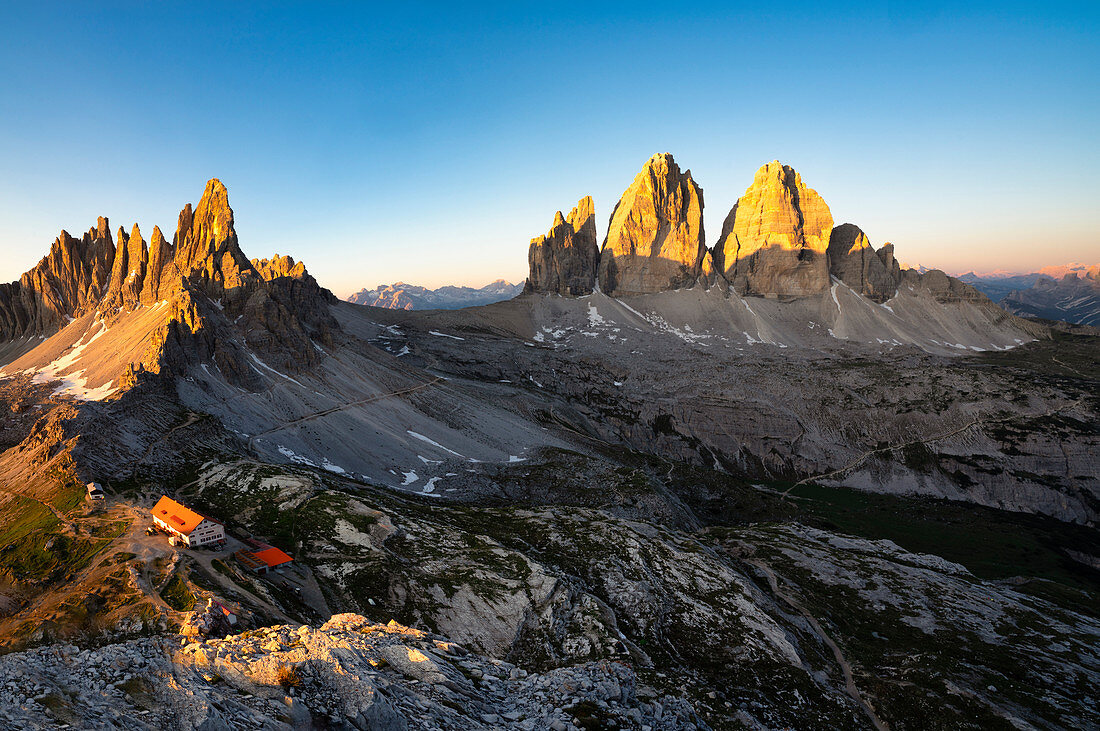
<point>206,244</point>
<point>775,238</point>
<point>853,260</point>
<point>564,261</point>
<point>877,274</point>
<point>655,238</point>
<point>67,282</point>
<point>203,277</point>
<point>944,288</point>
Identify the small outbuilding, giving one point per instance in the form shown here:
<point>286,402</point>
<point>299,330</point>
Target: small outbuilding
<point>95,492</point>
<point>264,559</point>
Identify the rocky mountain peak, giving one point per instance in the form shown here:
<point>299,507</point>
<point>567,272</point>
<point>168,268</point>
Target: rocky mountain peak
<point>213,292</point>
<point>206,243</point>
<point>67,282</point>
<point>212,224</point>
<point>655,239</point>
<point>564,260</point>
<point>160,254</point>
<point>855,262</point>
<point>279,266</point>
<point>102,230</point>
<point>775,238</point>
<point>128,269</point>
<point>183,225</point>
<point>583,215</point>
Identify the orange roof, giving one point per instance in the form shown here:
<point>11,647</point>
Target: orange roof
<point>272,557</point>
<point>248,559</point>
<point>178,517</point>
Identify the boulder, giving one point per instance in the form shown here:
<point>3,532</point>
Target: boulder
<point>655,238</point>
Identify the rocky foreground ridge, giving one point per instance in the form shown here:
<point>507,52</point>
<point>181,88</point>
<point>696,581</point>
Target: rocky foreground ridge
<point>778,240</point>
<point>348,673</point>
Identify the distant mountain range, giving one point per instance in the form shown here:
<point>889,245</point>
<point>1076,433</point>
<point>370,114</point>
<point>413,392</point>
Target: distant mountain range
<point>1073,298</point>
<point>401,296</point>
<point>1068,292</point>
<point>997,286</point>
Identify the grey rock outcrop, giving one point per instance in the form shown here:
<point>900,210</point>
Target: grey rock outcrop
<point>349,673</point>
<point>775,238</point>
<point>67,282</point>
<point>852,260</point>
<point>655,239</point>
<point>944,288</point>
<point>564,261</point>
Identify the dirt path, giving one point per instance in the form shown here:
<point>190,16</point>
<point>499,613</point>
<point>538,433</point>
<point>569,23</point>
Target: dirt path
<point>206,559</point>
<point>311,590</point>
<point>47,603</point>
<point>192,417</point>
<point>341,407</point>
<point>928,440</point>
<point>849,679</point>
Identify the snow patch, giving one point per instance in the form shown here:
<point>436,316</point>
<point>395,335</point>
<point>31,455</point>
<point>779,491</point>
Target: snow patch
<point>326,465</point>
<point>74,384</point>
<point>631,309</point>
<point>293,457</point>
<point>269,368</point>
<point>423,438</point>
<point>594,317</point>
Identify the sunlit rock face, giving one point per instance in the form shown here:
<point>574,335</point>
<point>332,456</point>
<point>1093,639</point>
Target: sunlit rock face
<point>67,282</point>
<point>206,300</point>
<point>775,238</point>
<point>564,260</point>
<point>655,238</point>
<point>852,260</point>
<point>206,248</point>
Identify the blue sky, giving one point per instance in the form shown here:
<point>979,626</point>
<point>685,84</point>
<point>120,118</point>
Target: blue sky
<point>429,143</point>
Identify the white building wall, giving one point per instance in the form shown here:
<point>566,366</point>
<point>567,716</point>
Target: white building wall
<point>207,531</point>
